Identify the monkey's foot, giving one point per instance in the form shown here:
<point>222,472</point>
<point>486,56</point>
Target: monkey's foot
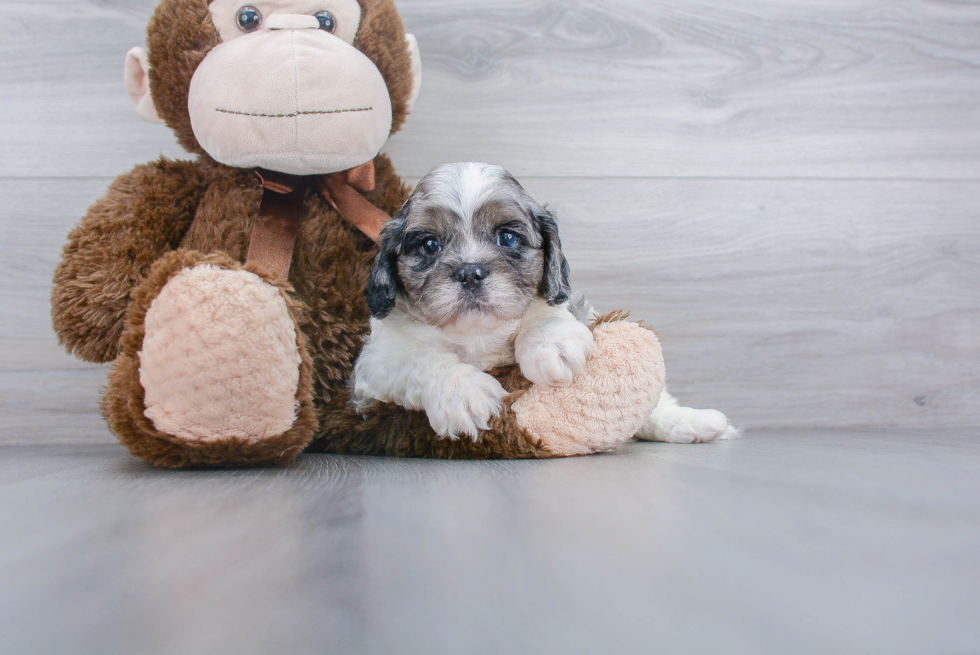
<point>213,371</point>
<point>606,404</point>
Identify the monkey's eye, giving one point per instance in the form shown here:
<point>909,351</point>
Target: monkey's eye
<point>249,19</point>
<point>431,247</point>
<point>327,22</point>
<point>508,239</point>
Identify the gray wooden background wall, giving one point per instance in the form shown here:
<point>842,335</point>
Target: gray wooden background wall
<point>788,191</point>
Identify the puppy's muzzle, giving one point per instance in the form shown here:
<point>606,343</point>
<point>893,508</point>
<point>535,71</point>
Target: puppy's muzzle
<point>471,276</point>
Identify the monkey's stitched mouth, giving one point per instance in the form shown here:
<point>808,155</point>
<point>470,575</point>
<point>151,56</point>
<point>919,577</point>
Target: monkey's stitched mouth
<point>295,113</point>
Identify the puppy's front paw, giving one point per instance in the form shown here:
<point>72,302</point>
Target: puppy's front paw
<point>554,352</point>
<point>465,405</point>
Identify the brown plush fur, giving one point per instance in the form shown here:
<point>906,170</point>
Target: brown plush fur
<point>382,38</point>
<point>391,430</point>
<point>145,213</point>
<point>166,216</point>
<point>123,401</point>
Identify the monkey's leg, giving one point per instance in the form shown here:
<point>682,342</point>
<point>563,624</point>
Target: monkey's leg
<point>212,370</point>
<point>606,404</point>
<point>603,407</point>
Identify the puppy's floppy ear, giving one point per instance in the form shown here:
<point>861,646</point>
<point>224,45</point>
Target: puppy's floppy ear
<point>382,286</point>
<point>555,285</point>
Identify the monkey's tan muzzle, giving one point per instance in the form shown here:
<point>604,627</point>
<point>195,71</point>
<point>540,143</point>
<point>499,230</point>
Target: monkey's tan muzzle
<point>291,99</point>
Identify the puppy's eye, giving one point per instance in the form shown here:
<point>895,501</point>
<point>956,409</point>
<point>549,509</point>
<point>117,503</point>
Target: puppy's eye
<point>431,247</point>
<point>249,19</point>
<point>327,22</point>
<point>508,239</point>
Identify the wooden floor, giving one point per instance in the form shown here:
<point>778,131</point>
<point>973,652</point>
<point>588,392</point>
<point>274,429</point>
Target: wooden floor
<point>788,192</point>
<point>785,542</point>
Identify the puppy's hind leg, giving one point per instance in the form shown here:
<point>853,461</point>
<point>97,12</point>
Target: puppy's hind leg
<point>670,422</point>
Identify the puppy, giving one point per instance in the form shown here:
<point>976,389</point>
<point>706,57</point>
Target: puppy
<point>470,276</point>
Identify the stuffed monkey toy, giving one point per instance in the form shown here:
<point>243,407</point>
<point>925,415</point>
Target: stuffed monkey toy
<point>228,291</point>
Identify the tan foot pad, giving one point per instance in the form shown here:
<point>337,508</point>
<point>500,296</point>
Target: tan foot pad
<point>220,358</point>
<point>605,405</point>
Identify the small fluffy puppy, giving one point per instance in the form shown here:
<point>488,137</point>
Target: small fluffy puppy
<point>470,276</point>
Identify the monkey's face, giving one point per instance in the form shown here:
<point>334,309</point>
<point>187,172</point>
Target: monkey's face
<point>306,87</point>
<point>287,90</point>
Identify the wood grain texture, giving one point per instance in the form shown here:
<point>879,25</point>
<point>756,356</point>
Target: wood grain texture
<point>693,89</point>
<point>793,303</point>
<point>820,88</point>
<point>802,542</point>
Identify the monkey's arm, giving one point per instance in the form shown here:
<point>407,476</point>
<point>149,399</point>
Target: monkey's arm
<point>144,215</point>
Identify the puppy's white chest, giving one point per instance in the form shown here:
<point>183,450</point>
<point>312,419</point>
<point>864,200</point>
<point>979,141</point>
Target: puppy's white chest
<point>484,349</point>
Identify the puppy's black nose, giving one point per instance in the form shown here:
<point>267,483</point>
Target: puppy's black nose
<point>471,276</point>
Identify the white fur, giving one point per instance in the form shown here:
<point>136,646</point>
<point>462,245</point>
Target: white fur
<point>441,370</point>
<point>464,189</point>
<point>550,348</point>
<point>672,423</point>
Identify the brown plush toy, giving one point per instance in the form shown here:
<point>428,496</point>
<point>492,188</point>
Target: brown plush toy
<point>228,291</point>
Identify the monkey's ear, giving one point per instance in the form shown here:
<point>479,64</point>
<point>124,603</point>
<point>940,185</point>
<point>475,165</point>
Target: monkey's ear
<point>416,57</point>
<point>382,286</point>
<point>137,75</point>
<point>555,285</point>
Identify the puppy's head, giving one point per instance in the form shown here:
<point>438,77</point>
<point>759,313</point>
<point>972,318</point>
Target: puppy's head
<point>469,243</point>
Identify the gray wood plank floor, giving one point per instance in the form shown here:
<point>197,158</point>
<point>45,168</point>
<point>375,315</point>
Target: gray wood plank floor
<point>787,542</point>
<point>788,192</point>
